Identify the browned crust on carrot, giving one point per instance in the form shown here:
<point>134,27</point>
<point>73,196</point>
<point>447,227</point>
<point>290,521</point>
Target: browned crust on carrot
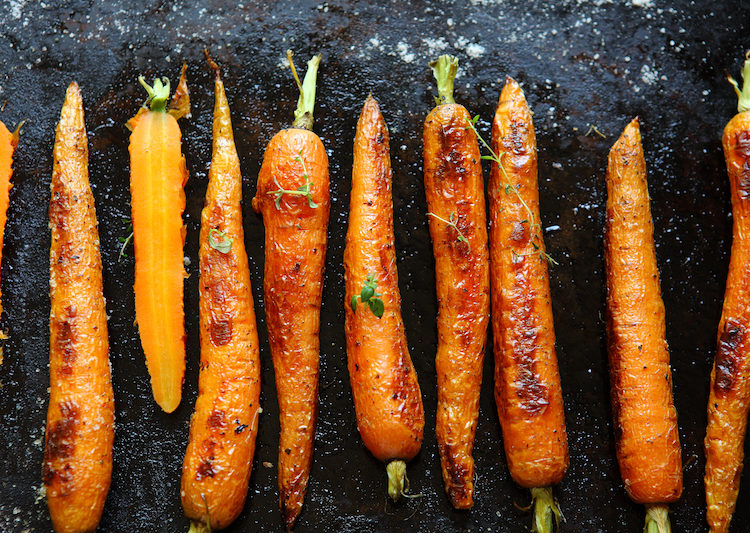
<point>223,430</point>
<point>527,380</point>
<point>454,184</point>
<point>80,420</point>
<point>729,396</point>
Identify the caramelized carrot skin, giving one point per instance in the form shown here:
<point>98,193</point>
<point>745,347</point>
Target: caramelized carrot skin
<point>387,399</point>
<point>645,420</point>
<point>527,380</point>
<point>8,142</point>
<point>295,257</point>
<point>453,183</point>
<point>80,420</point>
<point>157,177</point>
<point>224,427</point>
<point>729,396</point>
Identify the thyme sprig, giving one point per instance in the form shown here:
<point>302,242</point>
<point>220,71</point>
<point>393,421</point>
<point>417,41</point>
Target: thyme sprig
<point>124,241</point>
<point>534,227</point>
<point>369,295</point>
<point>302,190</point>
<point>451,223</point>
<point>223,244</point>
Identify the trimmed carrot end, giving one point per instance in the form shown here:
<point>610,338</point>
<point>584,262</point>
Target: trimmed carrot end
<point>657,519</point>
<point>199,527</point>
<point>546,511</point>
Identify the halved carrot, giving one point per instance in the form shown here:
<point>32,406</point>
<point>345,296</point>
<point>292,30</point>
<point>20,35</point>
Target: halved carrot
<point>729,398</point>
<point>157,177</point>
<point>387,399</point>
<point>293,198</point>
<point>219,456</point>
<point>527,380</point>
<point>455,197</point>
<point>80,419</point>
<point>645,420</point>
<point>8,143</point>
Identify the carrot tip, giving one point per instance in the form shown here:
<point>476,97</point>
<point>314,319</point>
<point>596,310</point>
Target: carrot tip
<point>547,514</point>
<point>657,519</point>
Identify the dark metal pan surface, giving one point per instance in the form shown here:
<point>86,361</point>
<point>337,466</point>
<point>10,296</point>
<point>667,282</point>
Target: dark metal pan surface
<point>582,63</point>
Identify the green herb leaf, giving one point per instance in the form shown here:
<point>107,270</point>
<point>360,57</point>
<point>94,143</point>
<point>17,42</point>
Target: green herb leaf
<point>377,307</point>
<point>368,295</point>
<point>223,244</point>
<point>367,292</point>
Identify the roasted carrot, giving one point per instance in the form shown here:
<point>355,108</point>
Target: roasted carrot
<point>387,399</point>
<point>157,177</point>
<point>455,198</point>
<point>645,420</point>
<point>729,397</point>
<point>527,381</point>
<point>293,198</point>
<point>80,419</point>
<point>219,456</point>
<point>8,143</point>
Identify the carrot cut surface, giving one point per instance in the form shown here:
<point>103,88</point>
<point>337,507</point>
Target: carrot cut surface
<point>80,419</point>
<point>157,179</point>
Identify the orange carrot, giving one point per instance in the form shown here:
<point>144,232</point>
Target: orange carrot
<point>8,143</point>
<point>458,227</point>
<point>80,420</point>
<point>293,198</point>
<point>157,177</point>
<point>729,398</point>
<point>387,399</point>
<point>527,380</point>
<point>219,456</point>
<point>647,439</point>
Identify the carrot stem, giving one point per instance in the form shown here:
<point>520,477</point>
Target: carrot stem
<point>398,483</point>
<point>303,115</point>
<point>657,519</point>
<point>158,95</point>
<point>546,511</point>
<point>444,70</point>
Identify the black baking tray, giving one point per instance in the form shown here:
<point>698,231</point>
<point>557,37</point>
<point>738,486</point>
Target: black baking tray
<point>582,63</point>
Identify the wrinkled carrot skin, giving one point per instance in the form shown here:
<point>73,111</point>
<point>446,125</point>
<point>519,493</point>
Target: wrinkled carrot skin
<point>223,429</point>
<point>527,380</point>
<point>8,143</point>
<point>645,420</point>
<point>387,399</point>
<point>294,260</point>
<point>157,177</point>
<point>80,420</point>
<point>453,182</point>
<point>729,397</point>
